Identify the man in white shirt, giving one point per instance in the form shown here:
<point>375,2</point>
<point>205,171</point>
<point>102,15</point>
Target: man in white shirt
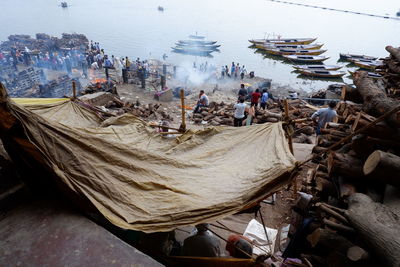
<point>239,116</point>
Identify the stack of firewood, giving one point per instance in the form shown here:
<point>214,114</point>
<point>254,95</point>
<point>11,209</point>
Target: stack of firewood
<point>391,71</point>
<point>222,114</point>
<point>355,187</point>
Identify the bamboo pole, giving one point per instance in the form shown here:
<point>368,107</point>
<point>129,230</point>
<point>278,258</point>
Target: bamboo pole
<point>182,128</point>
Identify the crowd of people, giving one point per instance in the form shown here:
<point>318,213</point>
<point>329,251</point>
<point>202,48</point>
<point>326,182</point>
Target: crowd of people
<point>234,72</point>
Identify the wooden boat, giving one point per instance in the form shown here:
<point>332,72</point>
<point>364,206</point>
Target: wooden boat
<point>317,67</point>
<point>198,42</point>
<point>293,41</point>
<point>323,73</point>
<point>197,37</point>
<point>369,65</point>
<point>198,45</point>
<point>193,49</point>
<point>372,75</point>
<point>288,51</point>
<point>64,4</point>
<point>354,56</point>
<point>290,46</point>
<point>193,52</point>
<point>305,58</point>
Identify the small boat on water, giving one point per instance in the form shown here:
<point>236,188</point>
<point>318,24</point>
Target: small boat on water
<point>354,56</point>
<point>196,42</point>
<point>198,45</point>
<point>323,73</point>
<point>293,41</point>
<point>289,51</point>
<point>305,58</point>
<point>64,4</point>
<point>290,46</point>
<point>197,37</point>
<point>369,65</point>
<point>317,67</point>
<point>372,75</point>
<point>192,51</point>
<point>160,8</point>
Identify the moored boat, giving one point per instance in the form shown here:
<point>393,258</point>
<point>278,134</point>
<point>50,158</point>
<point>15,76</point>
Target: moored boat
<point>64,4</point>
<point>198,45</point>
<point>372,75</point>
<point>294,41</point>
<point>290,46</point>
<point>369,65</point>
<point>355,56</point>
<point>305,58</point>
<point>288,51</point>
<point>323,73</point>
<point>317,67</point>
<point>198,42</point>
<point>197,37</point>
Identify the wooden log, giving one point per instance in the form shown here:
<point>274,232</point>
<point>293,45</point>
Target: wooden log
<point>345,189</point>
<point>391,198</point>
<point>357,254</point>
<point>384,166</point>
<point>325,187</point>
<point>394,52</point>
<point>344,164</point>
<point>360,145</point>
<point>329,240</point>
<point>351,93</point>
<point>338,226</point>
<point>332,212</point>
<point>310,176</point>
<point>380,130</point>
<point>377,226</point>
<point>375,101</point>
<point>334,132</point>
<point>393,67</point>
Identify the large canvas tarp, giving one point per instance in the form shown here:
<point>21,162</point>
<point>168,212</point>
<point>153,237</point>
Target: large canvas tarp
<point>142,181</point>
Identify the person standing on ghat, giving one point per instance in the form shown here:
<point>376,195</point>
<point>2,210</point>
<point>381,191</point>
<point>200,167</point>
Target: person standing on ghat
<point>324,115</point>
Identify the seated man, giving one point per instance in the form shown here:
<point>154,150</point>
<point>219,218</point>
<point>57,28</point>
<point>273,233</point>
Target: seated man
<point>202,102</point>
<point>202,244</point>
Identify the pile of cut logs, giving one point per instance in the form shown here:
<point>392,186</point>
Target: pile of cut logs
<point>353,190</point>
<point>222,114</point>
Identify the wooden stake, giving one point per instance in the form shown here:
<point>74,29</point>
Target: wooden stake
<point>182,128</point>
<point>73,89</point>
<point>290,141</point>
<point>285,102</point>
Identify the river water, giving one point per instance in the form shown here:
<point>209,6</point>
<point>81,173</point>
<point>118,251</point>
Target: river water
<point>137,29</point>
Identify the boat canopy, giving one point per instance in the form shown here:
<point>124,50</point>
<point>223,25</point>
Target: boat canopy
<point>139,179</point>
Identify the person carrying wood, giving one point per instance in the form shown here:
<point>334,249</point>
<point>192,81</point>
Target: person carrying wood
<point>324,115</point>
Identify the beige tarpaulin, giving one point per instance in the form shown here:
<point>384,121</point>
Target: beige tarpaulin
<point>143,181</point>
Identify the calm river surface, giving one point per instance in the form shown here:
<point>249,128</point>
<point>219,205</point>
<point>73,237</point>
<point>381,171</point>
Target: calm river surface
<point>138,29</point>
